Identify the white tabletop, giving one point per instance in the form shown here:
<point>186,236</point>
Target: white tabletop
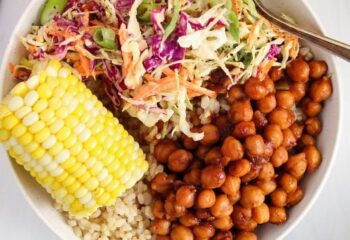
<point>329,218</point>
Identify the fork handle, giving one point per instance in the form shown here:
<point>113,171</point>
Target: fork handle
<point>339,48</point>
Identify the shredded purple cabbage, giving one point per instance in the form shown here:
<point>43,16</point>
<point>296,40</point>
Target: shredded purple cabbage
<point>273,52</point>
<point>166,50</point>
<point>113,82</point>
<point>122,8</point>
<point>39,54</point>
<point>60,52</point>
<point>90,44</point>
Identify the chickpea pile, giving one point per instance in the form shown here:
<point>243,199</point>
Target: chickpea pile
<point>247,169</point>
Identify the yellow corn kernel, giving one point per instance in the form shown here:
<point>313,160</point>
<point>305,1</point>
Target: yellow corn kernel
<point>38,153</point>
<point>56,149</point>
<point>47,115</point>
<point>4,135</point>
<point>40,105</point>
<point>63,133</point>
<point>42,135</point>
<point>20,89</point>
<point>18,130</point>
<point>9,122</point>
<point>25,139</point>
<point>36,127</point>
<point>91,184</point>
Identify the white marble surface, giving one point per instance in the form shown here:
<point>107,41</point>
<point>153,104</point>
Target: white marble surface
<point>329,218</point>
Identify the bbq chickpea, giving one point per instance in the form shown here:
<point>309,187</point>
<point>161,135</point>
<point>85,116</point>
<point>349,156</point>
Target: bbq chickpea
<point>298,70</point>
<point>211,134</point>
<point>193,177</point>
<point>246,236</point>
<point>251,175</point>
<point>295,197</point>
<point>317,69</point>
<point>235,93</point>
<point>267,104</point>
<point>267,186</point>
<point>224,126</point>
<point>179,160</point>
<point>204,214</point>
<point>180,232</point>
<point>202,151</point>
<point>313,157</point>
<point>160,226</point>
<point>278,215</point>
<point>296,165</point>
<point>313,126</point>
<point>269,84</point>
<point>213,176</point>
<point>267,172</point>
<point>251,196</point>
<point>241,215</point>
<point>306,140</point>
<point>289,140</point>
<point>320,90</point>
<point>298,89</point>
<point>227,235</point>
<point>231,185</point>
<point>172,209</point>
<point>189,220</point>
<point>189,143</point>
<point>206,199</point>
<point>255,89</point>
<point>222,206</point>
<point>224,223</point>
<point>248,226</point>
<point>239,168</point>
<point>241,110</point>
<point>261,214</point>
<point>311,108</point>
<point>259,120</point>
<point>158,209</point>
<point>213,156</point>
<point>274,134</point>
<point>203,231</point>
<point>161,237</point>
<point>279,197</point>
<point>162,183</point>
<point>288,183</point>
<point>163,149</point>
<point>234,198</point>
<point>254,145</point>
<point>232,148</point>
<point>297,130</point>
<point>276,73</point>
<point>244,129</point>
<point>185,196</point>
<point>282,117</point>
<point>285,99</point>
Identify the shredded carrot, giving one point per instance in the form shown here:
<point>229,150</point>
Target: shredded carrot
<point>252,36</point>
<point>85,19</point>
<point>83,66</point>
<point>148,77</point>
<point>127,57</point>
<point>265,68</point>
<point>168,72</point>
<point>237,6</point>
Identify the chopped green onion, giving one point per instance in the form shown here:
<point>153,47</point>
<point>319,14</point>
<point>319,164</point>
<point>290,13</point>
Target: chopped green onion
<point>51,8</point>
<point>176,14</point>
<point>234,25</point>
<point>145,9</point>
<point>105,37</point>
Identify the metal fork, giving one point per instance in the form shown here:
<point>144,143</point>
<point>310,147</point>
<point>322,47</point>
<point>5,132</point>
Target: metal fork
<point>338,48</point>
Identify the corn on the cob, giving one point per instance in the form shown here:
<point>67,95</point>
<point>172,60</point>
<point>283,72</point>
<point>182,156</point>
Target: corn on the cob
<point>58,130</point>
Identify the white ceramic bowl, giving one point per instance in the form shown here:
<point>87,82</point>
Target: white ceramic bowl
<point>328,140</point>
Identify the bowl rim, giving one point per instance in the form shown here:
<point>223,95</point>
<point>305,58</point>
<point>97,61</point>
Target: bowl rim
<point>308,205</point>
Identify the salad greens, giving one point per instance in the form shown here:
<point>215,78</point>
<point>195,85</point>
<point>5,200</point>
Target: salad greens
<point>155,56</point>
